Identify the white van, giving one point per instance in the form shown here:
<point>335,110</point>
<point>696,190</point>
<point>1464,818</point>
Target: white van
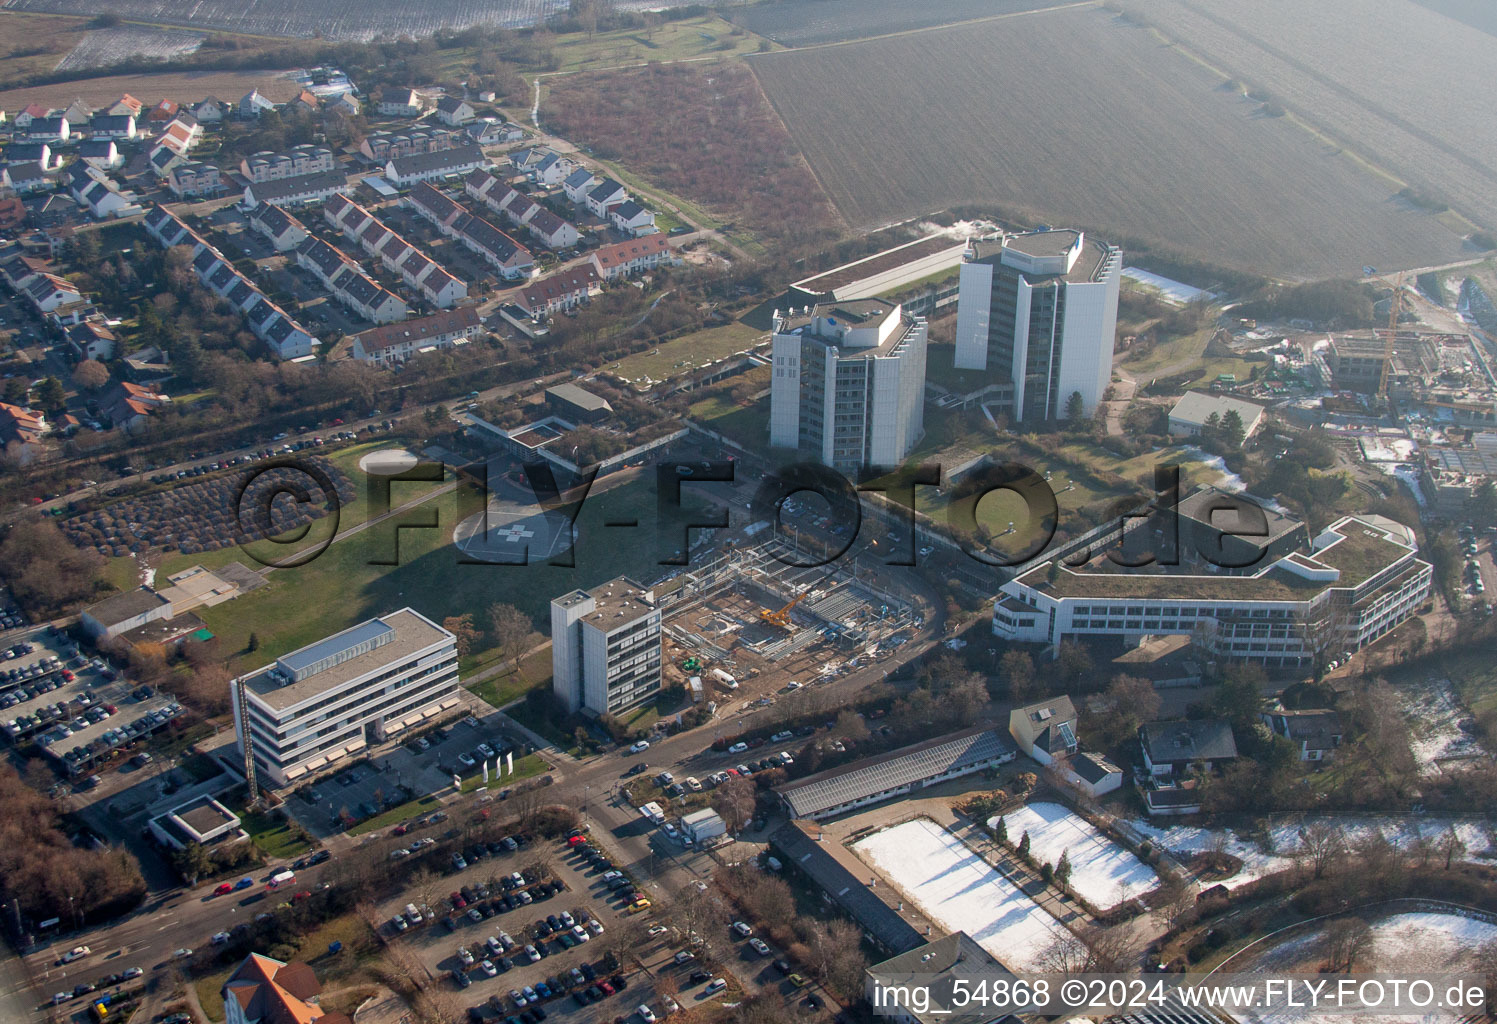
<point>281,877</point>
<point>412,914</point>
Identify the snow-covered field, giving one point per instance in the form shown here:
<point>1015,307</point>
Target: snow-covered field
<point>959,890</point>
<point>1438,738</point>
<point>1277,852</point>
<point>105,46</point>
<point>1403,944</point>
<point>1104,873</point>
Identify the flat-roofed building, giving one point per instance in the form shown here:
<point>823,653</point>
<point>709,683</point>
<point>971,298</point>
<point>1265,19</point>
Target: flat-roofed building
<point>881,777</point>
<point>329,700</point>
<point>1356,580</point>
<point>203,821</point>
<point>849,383</point>
<point>1193,412</point>
<point>1040,310</point>
<point>936,964</point>
<point>605,647</point>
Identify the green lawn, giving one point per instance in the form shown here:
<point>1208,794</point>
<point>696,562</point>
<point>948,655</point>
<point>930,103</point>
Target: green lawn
<point>272,836</point>
<point>499,690</point>
<point>526,767</point>
<point>346,585</point>
<point>397,814</point>
<point>687,353</point>
<point>210,995</point>
<point>749,426</point>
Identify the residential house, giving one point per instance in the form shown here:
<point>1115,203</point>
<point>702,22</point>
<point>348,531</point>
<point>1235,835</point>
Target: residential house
<point>560,291</point>
<point>48,291</point>
<point>112,126</point>
<point>39,153</point>
<point>299,160</point>
<point>104,199</point>
<point>579,183</point>
<point>492,132</point>
<point>395,343</point>
<point>550,230</point>
<point>1045,730</point>
<point>401,103</point>
<point>126,104</point>
<point>1093,773</point>
<point>510,260</point>
<point>434,206</point>
<point>304,102</point>
<point>12,214</point>
<point>603,195</point>
<point>30,112</point>
<point>180,135</point>
<point>281,229</point>
<point>25,178</point>
<point>381,147</point>
<point>1176,748</point>
<point>632,218</point>
<point>252,104</point>
<point>162,158</point>
<point>346,105</point>
<point>77,113</point>
<point>304,188</point>
<point>92,339</point>
<point>341,275</point>
<point>454,111</point>
<point>631,256</point>
<point>266,991</point>
<point>210,111</point>
<point>49,129</point>
<point>195,178</point>
<point>542,166</point>
<point>163,112</point>
<point>128,405</point>
<point>1315,732</point>
<point>21,431</point>
<point>409,170</point>
<point>395,254</point>
<point>101,153</point>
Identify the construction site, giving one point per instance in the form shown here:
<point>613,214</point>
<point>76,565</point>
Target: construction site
<point>752,614</point>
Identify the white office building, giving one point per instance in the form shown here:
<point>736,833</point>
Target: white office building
<point>849,382</point>
<point>332,699</point>
<point>605,647</point>
<point>1350,585</point>
<point>1040,310</point>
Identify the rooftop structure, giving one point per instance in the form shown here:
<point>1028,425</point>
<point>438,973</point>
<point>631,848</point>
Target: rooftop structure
<point>605,647</point>
<point>874,779</point>
<point>937,963</point>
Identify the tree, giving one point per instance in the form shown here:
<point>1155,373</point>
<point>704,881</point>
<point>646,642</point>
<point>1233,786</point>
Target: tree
<point>1345,940</point>
<point>1074,662</point>
<point>1017,669</point>
<point>1133,698</point>
<point>90,375</point>
<point>512,631</point>
<point>1320,844</point>
<point>1176,903</point>
<point>1000,829</point>
<point>1451,846</point>
<point>50,395</point>
<point>734,802</point>
<point>192,862</point>
<point>1075,407</point>
<point>253,644</point>
<point>1063,869</point>
<point>1024,844</point>
<point>461,627</point>
<point>1232,432</point>
<point>1484,504</point>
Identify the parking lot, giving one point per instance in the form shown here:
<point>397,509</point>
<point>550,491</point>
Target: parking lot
<point>398,772</point>
<point>536,945</point>
<point>82,712</point>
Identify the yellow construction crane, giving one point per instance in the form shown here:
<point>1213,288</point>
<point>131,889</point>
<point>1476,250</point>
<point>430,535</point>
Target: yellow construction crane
<point>781,616</point>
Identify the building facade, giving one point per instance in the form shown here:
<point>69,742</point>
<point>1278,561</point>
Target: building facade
<point>605,647</point>
<point>849,383</point>
<point>1040,310</point>
<point>329,700</point>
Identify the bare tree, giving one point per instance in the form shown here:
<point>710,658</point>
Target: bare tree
<point>1064,954</point>
<point>1320,844</point>
<point>513,632</point>
<point>734,800</point>
<point>1451,846</point>
<point>1346,939</point>
<point>1176,903</point>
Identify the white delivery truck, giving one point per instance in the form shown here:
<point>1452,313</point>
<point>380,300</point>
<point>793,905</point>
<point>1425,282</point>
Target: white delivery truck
<point>724,679</point>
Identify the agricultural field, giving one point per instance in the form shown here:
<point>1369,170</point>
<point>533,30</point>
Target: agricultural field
<point>344,21</point>
<point>1422,125</point>
<point>832,21</point>
<point>105,46</point>
<point>741,165</point>
<point>182,85</point>
<point>1151,148</point>
<point>32,44</point>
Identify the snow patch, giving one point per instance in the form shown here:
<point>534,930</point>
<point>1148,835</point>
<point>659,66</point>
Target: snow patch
<point>1440,728</point>
<point>960,891</point>
<point>1102,872</point>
